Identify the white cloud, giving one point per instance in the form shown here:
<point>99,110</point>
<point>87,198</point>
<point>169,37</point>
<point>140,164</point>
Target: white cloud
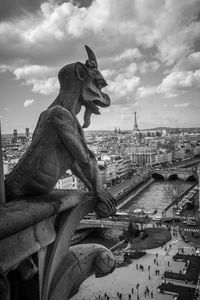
<point>39,77</point>
<point>146,67</point>
<point>177,83</point>
<point>180,105</point>
<point>168,26</point>
<point>51,25</point>
<point>28,102</point>
<point>123,86</point>
<point>129,54</point>
<point>108,73</point>
<point>128,37</point>
<point>174,84</point>
<point>45,87</point>
<point>27,72</point>
<point>146,91</point>
<point>189,63</point>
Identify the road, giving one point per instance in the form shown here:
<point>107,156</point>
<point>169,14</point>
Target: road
<point>125,184</point>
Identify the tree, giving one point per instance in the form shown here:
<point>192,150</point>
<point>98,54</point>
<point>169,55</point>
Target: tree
<point>133,234</point>
<point>139,218</point>
<point>174,190</point>
<point>133,230</point>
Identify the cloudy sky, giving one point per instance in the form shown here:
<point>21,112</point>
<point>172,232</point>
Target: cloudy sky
<point>147,50</point>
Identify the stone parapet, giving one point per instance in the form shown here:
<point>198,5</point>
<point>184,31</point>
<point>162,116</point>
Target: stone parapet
<point>45,225</point>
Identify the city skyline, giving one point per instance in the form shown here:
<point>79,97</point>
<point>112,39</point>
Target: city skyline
<point>148,52</point>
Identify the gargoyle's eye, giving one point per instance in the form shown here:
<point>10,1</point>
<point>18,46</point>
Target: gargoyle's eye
<point>101,83</point>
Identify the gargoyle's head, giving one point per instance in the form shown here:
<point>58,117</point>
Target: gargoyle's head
<point>89,82</point>
<point>92,95</point>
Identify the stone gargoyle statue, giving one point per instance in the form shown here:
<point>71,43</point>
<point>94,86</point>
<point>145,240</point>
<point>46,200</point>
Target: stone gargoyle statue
<point>58,142</point>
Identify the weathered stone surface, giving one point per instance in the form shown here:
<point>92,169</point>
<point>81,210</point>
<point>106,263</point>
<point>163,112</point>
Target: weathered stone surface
<point>42,220</point>
<point>82,261</point>
<point>56,255</point>
<point>21,245</point>
<point>19,215</point>
<point>58,142</point>
<point>4,286</point>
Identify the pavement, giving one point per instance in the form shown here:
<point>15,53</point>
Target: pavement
<point>124,279</point>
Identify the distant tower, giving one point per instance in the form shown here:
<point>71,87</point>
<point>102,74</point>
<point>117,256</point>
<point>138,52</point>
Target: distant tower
<point>15,134</point>
<point>115,131</point>
<point>198,173</point>
<point>27,132</point>
<point>135,124</point>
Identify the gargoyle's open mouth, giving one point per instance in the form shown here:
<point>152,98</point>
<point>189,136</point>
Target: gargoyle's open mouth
<point>100,99</point>
<point>104,99</point>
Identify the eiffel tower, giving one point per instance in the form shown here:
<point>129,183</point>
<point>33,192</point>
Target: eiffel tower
<point>135,129</point>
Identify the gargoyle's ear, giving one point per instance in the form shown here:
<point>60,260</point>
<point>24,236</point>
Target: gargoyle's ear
<point>81,71</point>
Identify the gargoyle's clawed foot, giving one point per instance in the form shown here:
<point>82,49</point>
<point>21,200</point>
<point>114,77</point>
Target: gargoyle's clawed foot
<point>106,205</point>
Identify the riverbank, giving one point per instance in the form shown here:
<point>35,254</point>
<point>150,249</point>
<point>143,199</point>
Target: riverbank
<point>134,192</point>
<point>180,197</point>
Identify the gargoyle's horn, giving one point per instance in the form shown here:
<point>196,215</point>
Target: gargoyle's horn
<point>91,55</point>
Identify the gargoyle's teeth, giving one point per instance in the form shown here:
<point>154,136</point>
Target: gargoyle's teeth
<point>94,108</point>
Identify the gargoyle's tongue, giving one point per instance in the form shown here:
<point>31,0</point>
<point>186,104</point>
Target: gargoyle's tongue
<point>88,111</point>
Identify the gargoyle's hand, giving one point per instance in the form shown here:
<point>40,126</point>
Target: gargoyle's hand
<point>106,204</point>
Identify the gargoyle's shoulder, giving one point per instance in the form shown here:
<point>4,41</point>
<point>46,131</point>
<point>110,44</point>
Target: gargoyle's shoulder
<point>58,113</point>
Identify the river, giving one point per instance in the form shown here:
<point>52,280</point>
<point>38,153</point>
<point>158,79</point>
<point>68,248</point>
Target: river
<point>157,195</point>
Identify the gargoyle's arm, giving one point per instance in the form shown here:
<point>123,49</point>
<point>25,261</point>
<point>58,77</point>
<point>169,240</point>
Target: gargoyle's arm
<point>85,165</point>
<point>83,175</point>
<point>76,170</point>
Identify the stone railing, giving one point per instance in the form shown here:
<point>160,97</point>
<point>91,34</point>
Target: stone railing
<point>44,226</point>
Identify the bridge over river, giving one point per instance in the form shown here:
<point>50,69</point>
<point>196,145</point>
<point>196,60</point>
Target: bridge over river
<point>99,223</point>
<point>93,223</point>
<point>185,170</point>
<point>176,172</point>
